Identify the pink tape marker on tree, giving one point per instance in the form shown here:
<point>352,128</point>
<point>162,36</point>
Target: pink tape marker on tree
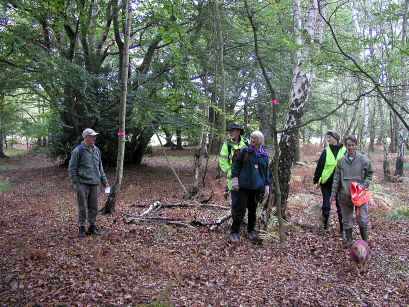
<point>275,102</point>
<point>121,133</point>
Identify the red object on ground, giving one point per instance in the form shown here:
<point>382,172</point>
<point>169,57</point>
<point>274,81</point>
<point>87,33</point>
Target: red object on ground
<point>359,195</point>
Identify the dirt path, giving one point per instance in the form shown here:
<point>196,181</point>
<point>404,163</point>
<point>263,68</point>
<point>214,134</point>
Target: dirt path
<point>42,261</point>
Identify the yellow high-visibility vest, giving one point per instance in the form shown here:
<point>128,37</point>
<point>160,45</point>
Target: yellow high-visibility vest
<point>331,163</point>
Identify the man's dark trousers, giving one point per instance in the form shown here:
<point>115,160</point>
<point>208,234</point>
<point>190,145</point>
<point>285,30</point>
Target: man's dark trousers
<point>87,198</point>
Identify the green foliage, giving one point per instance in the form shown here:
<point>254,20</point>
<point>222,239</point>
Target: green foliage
<point>4,186</point>
<point>72,74</point>
<point>401,213</point>
<point>14,152</point>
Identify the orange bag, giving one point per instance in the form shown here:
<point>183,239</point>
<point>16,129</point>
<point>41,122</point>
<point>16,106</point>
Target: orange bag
<point>359,195</point>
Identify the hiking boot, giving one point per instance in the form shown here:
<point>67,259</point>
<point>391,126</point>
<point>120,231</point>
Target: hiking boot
<point>93,230</point>
<point>323,228</point>
<point>252,235</point>
<point>363,230</point>
<point>81,232</point>
<point>348,236</point>
<point>343,236</point>
<point>234,237</point>
<point>325,222</point>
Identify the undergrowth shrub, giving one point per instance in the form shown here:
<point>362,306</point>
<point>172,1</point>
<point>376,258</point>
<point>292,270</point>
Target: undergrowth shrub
<point>400,213</point>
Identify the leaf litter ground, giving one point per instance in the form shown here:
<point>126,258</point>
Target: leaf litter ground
<point>43,262</point>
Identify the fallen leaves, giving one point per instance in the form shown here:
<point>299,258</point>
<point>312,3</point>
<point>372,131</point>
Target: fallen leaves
<point>44,262</point>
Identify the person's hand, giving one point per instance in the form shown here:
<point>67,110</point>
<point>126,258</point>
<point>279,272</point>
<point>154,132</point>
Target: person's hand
<point>317,185</point>
<point>365,185</point>
<point>235,184</point>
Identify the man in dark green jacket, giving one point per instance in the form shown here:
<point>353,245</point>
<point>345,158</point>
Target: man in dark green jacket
<point>86,174</point>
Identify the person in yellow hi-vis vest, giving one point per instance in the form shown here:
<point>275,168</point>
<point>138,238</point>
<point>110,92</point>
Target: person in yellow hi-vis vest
<point>324,176</point>
<point>229,153</point>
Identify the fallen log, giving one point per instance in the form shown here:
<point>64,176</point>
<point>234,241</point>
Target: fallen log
<point>195,204</point>
<point>185,223</point>
<point>156,220</point>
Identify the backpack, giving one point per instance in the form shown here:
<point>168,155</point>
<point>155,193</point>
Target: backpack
<point>81,149</point>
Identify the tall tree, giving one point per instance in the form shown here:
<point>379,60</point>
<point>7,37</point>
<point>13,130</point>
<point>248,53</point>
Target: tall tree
<point>300,91</point>
<point>124,60</point>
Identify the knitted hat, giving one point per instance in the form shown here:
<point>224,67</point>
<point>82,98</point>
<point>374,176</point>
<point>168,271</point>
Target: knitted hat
<point>334,135</point>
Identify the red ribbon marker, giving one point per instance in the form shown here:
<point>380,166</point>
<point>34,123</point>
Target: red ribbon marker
<point>275,102</point>
<point>121,133</point>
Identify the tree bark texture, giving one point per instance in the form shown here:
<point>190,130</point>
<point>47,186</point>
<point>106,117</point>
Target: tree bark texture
<point>218,96</point>
<point>300,90</point>
<point>274,198</point>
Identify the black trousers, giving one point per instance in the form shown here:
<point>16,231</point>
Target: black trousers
<point>248,199</point>
<point>326,203</point>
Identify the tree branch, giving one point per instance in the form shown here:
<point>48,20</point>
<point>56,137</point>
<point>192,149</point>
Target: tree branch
<point>344,102</point>
<point>360,69</point>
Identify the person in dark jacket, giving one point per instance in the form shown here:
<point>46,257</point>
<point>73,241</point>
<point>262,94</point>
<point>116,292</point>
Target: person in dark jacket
<point>324,175</point>
<point>251,176</point>
<point>86,174</point>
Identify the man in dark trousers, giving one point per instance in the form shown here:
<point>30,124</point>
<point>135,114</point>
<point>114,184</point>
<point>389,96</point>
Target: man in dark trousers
<point>324,175</point>
<point>87,173</point>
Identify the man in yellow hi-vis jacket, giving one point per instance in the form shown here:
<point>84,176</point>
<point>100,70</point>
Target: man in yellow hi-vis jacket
<point>228,154</point>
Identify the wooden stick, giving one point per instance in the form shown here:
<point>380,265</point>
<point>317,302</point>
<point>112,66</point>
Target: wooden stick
<point>159,220</point>
<point>170,165</point>
<point>186,204</point>
<point>154,207</point>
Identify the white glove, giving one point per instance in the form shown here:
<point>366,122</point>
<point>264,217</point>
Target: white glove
<point>235,183</point>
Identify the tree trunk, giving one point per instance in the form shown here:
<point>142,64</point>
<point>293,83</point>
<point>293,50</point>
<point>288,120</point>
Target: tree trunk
<point>116,188</point>
<point>300,90</point>
<point>2,134</point>
<point>218,95</point>
<point>274,198</point>
<point>140,144</point>
<point>2,154</point>
<point>351,125</point>
<point>168,137</point>
<point>288,142</point>
<point>393,146</point>
<point>386,165</point>
<point>220,84</point>
<point>264,115</point>
<point>400,159</point>
<point>179,144</point>
<point>297,154</point>
<point>197,164</point>
<point>372,129</point>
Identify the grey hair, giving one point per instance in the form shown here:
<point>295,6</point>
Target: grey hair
<point>259,135</point>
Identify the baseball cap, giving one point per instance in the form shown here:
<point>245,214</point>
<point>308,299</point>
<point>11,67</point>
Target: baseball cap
<point>234,126</point>
<point>89,131</point>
